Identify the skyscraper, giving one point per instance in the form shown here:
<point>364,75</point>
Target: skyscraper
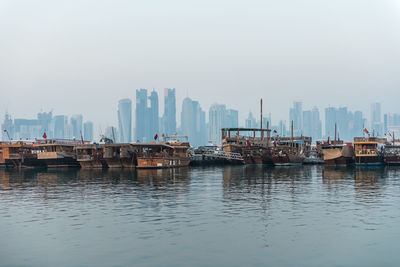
<point>232,118</point>
<point>358,124</point>
<point>142,116</point>
<point>296,115</point>
<point>316,132</point>
<point>60,123</point>
<point>153,115</point>
<point>88,131</point>
<point>76,124</point>
<point>169,116</point>
<point>45,119</point>
<point>330,120</point>
<point>193,122</point>
<point>251,122</point>
<point>376,123</point>
<point>216,122</point>
<point>125,120</point>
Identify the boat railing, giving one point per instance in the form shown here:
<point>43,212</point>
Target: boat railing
<point>224,155</point>
<point>84,157</point>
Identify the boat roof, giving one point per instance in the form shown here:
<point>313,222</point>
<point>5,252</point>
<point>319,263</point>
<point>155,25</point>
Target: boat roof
<point>365,143</point>
<point>152,145</point>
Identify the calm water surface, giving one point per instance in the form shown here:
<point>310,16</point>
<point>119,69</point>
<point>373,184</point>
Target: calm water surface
<point>211,216</point>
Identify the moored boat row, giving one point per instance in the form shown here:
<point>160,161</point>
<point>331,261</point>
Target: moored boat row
<point>54,153</point>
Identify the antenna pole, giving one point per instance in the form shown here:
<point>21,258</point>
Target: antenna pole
<point>112,128</point>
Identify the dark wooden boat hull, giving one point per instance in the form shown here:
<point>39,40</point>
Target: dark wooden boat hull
<point>369,161</point>
<point>162,163</point>
<point>340,161</point>
<point>392,160</point>
<point>24,163</point>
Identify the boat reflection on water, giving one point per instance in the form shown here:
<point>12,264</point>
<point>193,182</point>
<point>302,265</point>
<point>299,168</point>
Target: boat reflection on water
<point>363,178</point>
<point>163,176</point>
<point>336,174</point>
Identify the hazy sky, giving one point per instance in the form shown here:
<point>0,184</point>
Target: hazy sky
<point>83,56</point>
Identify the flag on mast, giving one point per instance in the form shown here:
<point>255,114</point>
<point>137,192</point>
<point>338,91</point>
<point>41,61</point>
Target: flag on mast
<point>366,131</point>
<point>44,135</point>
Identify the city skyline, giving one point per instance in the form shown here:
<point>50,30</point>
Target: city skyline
<point>203,125</point>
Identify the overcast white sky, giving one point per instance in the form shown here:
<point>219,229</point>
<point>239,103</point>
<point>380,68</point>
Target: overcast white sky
<point>82,56</point>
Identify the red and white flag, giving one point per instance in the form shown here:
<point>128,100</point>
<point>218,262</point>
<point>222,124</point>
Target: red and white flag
<point>366,131</point>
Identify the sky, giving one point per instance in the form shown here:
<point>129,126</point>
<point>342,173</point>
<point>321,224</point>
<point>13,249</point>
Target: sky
<point>82,56</point>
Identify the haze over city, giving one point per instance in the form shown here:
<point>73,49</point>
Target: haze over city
<point>81,57</point>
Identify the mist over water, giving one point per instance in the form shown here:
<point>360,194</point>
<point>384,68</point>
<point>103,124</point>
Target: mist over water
<point>234,215</point>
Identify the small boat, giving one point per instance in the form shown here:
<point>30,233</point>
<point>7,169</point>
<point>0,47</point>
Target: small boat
<point>120,155</point>
<point>19,154</point>
<point>158,155</point>
<point>56,153</point>
<point>391,154</point>
<point>314,157</point>
<point>368,151</point>
<point>90,156</point>
<point>338,154</point>
<point>287,157</point>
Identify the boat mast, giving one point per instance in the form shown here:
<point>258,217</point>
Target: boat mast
<point>291,134</point>
<point>335,133</point>
<point>261,120</point>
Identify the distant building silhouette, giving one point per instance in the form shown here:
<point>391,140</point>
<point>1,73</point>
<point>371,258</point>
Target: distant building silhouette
<point>125,120</point>
<point>142,118</point>
<point>76,124</point>
<point>153,116</point>
<point>296,115</point>
<point>169,117</point>
<point>193,122</point>
<point>88,131</point>
<point>376,122</point>
<point>216,121</point>
<point>60,123</point>
<point>251,121</point>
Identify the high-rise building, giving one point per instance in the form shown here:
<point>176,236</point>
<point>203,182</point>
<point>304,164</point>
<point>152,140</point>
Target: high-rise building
<point>45,119</point>
<point>376,123</point>
<point>330,120</point>
<point>358,124</point>
<point>76,123</point>
<point>316,124</point>
<point>153,115</point>
<point>193,122</point>
<point>251,121</point>
<point>88,131</point>
<point>169,116</point>
<point>232,118</point>
<point>7,128</point>
<point>125,120</point>
<point>59,123</point>
<point>216,122</point>
<point>296,115</point>
<point>142,127</point>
